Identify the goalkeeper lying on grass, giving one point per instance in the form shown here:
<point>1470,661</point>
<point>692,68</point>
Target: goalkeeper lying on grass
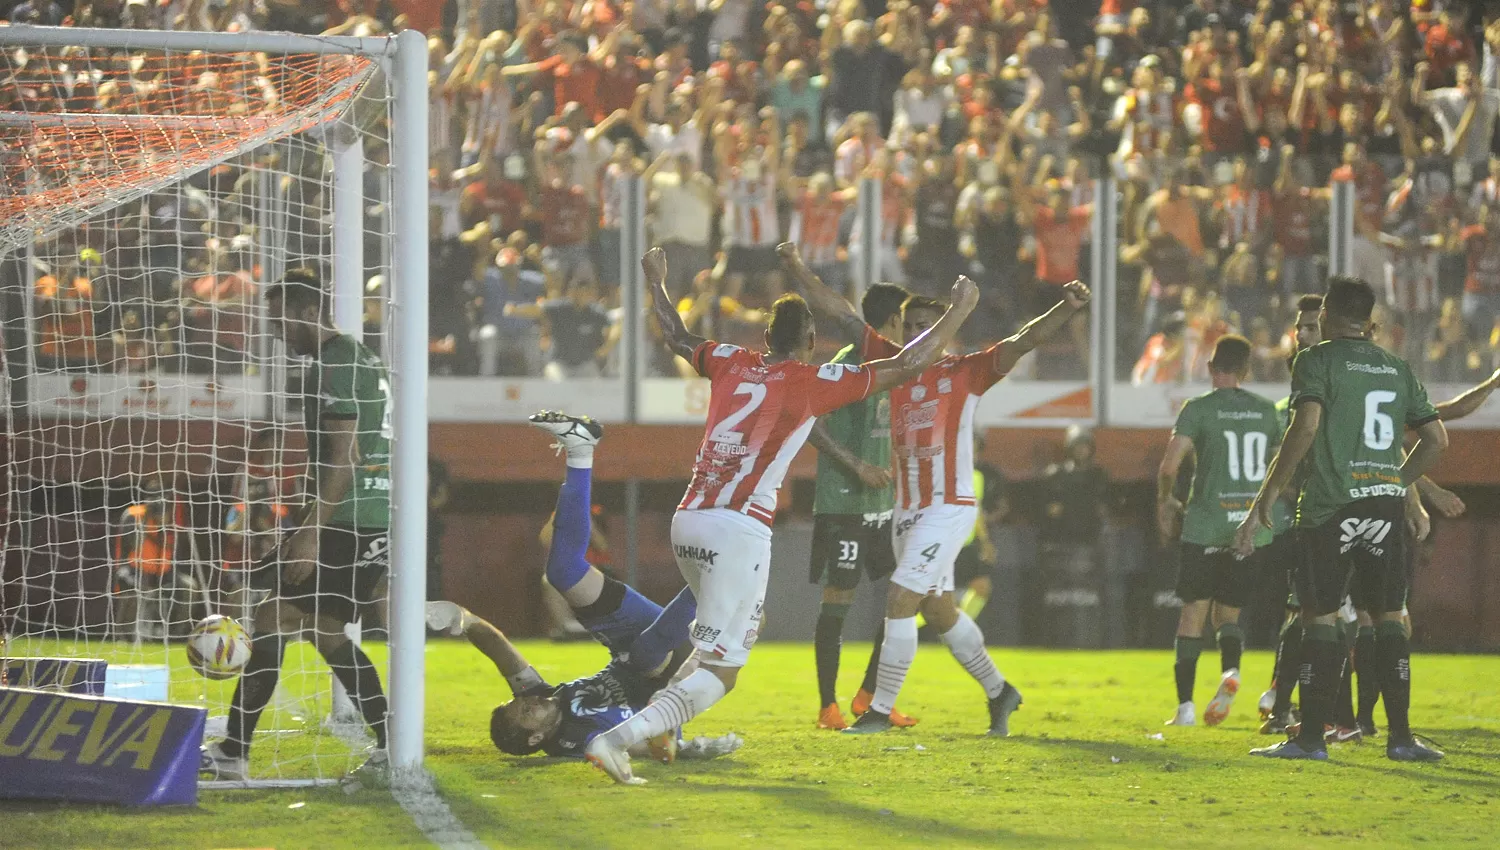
<point>647,643</point>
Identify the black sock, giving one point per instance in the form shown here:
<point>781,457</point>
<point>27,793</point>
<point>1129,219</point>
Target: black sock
<point>358,676</point>
<point>1394,653</point>
<point>1288,665</point>
<point>1186,666</point>
<point>1366,677</point>
<point>873,668</point>
<point>1231,646</point>
<point>252,692</point>
<point>1323,657</point>
<point>828,639</point>
<point>1343,704</point>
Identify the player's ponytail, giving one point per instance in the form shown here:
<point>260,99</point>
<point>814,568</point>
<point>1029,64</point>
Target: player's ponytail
<point>791,323</point>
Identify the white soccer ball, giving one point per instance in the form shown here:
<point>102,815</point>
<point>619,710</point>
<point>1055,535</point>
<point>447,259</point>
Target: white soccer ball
<point>219,647</point>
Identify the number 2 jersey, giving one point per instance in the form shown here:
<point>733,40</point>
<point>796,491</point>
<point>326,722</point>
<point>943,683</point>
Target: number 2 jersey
<point>1368,396</point>
<point>1234,434</point>
<point>932,425</point>
<point>759,415</point>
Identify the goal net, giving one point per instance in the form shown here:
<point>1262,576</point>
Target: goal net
<point>151,185</point>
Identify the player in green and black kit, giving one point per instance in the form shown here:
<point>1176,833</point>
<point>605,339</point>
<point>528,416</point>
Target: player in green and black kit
<point>852,512</point>
<point>336,558</point>
<point>1282,554</point>
<point>1229,431</point>
<point>1348,395</point>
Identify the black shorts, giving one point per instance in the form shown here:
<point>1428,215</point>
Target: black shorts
<point>967,566</point>
<point>1278,561</point>
<point>1364,542</point>
<point>1359,593</point>
<point>350,567</point>
<point>751,260</point>
<point>846,544</point>
<point>1217,574</point>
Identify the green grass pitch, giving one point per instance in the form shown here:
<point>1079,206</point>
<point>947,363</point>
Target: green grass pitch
<point>1085,768</point>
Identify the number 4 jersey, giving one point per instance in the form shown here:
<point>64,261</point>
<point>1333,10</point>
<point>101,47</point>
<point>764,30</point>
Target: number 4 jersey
<point>759,415</point>
<point>1234,433</point>
<point>1368,396</point>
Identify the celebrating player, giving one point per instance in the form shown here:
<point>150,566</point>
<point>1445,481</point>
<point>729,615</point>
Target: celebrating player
<point>1347,396</point>
<point>646,642</point>
<point>761,409</point>
<point>932,427</point>
<point>337,555</point>
<point>1228,431</point>
<point>852,514</point>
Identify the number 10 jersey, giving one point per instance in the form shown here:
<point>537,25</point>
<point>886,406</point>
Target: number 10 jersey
<point>1234,434</point>
<point>759,415</point>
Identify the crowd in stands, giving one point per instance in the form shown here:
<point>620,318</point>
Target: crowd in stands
<point>985,123</point>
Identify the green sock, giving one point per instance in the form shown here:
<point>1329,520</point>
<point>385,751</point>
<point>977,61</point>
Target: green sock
<point>1231,645</point>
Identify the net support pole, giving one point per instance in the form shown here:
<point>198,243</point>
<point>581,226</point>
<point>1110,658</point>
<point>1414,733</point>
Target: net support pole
<point>1341,225</point>
<point>633,361</point>
<point>409,382</point>
<point>867,269</point>
<point>349,235</point>
<point>1102,328</point>
<point>348,313</point>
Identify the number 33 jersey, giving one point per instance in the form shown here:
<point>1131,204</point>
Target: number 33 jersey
<point>1235,434</point>
<point>1369,396</point>
<point>759,415</point>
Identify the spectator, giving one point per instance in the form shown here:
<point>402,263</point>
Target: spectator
<point>682,201</point>
<point>510,344</point>
<point>578,326</point>
<point>1165,359</point>
<point>798,94</point>
<point>861,74</point>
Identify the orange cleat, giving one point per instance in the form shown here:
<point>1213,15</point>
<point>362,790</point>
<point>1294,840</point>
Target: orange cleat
<point>831,718</point>
<point>861,704</point>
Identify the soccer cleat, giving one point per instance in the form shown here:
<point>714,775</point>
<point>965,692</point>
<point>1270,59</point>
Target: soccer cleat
<point>220,767</point>
<point>1276,724</point>
<point>1267,704</point>
<point>831,718</point>
<point>1290,749</point>
<point>1186,715</point>
<point>861,704</point>
<point>445,617</point>
<point>572,432</point>
<point>663,747</point>
<point>870,723</point>
<point>1369,728</point>
<point>614,761</point>
<point>1001,708</point>
<point>374,773</point>
<point>1343,735</point>
<point>1218,707</point>
<point>1411,750</point>
<point>702,748</point>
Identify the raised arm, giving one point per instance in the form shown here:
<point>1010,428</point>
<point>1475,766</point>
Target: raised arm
<point>1076,297</point>
<point>928,348</point>
<point>1468,401</point>
<point>822,299</point>
<point>674,332</point>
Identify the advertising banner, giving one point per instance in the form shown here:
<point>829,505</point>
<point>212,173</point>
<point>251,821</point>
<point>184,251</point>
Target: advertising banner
<point>56,746</point>
<point>73,675</point>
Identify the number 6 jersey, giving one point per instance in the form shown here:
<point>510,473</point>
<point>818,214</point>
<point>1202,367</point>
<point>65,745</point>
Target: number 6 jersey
<point>1369,396</point>
<point>759,415</point>
<point>1235,433</point>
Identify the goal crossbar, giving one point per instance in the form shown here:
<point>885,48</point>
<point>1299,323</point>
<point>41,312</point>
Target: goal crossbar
<point>24,35</point>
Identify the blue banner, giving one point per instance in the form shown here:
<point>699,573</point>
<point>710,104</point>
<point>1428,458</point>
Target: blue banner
<point>57,746</point>
<point>74,675</point>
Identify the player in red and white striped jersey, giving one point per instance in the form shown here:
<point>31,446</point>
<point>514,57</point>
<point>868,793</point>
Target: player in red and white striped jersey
<point>761,408</point>
<point>932,439</point>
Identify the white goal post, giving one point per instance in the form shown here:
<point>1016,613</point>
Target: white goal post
<point>403,60</point>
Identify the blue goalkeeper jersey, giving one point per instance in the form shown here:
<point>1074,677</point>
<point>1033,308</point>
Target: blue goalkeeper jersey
<point>596,704</point>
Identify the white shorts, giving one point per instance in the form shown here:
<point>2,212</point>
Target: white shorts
<point>725,557</point>
<point>927,543</point>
